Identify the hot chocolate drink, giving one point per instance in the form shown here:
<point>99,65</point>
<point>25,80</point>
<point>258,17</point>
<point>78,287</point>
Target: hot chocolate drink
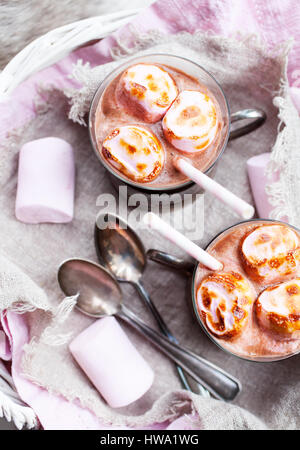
<point>252,307</point>
<point>152,113</point>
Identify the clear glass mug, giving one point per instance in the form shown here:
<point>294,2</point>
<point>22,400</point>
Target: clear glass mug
<point>191,269</point>
<point>254,117</point>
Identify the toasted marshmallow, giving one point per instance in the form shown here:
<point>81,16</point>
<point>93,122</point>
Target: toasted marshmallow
<point>224,300</point>
<point>134,151</point>
<point>146,91</point>
<point>278,309</point>
<point>270,253</point>
<point>191,124</point>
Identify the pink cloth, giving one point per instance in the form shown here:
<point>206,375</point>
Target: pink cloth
<point>54,412</point>
<point>275,21</point>
<point>186,422</point>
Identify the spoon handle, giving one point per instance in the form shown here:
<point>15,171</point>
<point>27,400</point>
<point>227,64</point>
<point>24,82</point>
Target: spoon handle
<point>193,387</point>
<point>220,384</point>
<point>160,321</point>
<point>171,261</point>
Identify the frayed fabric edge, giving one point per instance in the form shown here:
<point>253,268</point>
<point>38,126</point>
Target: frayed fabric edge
<point>51,335</point>
<point>279,191</point>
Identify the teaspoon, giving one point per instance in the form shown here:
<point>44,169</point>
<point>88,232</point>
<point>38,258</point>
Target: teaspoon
<point>99,294</point>
<point>121,251</point>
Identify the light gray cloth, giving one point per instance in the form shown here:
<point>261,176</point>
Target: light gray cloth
<point>270,397</point>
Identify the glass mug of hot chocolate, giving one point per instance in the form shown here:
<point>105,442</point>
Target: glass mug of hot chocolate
<point>154,109</point>
<point>250,305</point>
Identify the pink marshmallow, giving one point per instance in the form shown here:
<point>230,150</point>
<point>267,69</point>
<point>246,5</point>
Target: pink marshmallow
<point>112,363</point>
<point>295,94</point>
<point>46,182</point>
<point>256,167</point>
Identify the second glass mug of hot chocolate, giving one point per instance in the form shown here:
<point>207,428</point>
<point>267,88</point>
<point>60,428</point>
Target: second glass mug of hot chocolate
<point>251,308</point>
<point>106,115</point>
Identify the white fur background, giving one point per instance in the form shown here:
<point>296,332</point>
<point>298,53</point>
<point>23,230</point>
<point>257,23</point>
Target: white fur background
<point>21,21</point>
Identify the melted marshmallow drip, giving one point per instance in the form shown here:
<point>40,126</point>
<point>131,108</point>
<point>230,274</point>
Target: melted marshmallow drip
<point>269,242</point>
<point>282,300</point>
<point>268,251</point>
<point>150,86</point>
<point>135,151</point>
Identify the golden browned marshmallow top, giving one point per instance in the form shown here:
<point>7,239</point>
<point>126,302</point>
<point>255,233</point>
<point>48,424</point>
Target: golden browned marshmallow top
<point>223,301</point>
<point>146,91</point>
<point>134,151</point>
<point>270,252</point>
<point>191,123</point>
<point>278,309</point>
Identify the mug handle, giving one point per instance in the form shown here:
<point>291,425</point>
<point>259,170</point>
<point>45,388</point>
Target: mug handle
<point>171,261</point>
<point>258,117</point>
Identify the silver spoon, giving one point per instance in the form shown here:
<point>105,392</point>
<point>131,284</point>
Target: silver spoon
<point>120,250</point>
<point>100,295</point>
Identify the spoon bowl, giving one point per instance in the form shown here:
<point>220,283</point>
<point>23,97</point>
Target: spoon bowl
<point>99,293</point>
<point>119,248</point>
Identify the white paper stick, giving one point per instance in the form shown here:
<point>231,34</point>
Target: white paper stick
<point>208,184</point>
<point>181,241</point>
